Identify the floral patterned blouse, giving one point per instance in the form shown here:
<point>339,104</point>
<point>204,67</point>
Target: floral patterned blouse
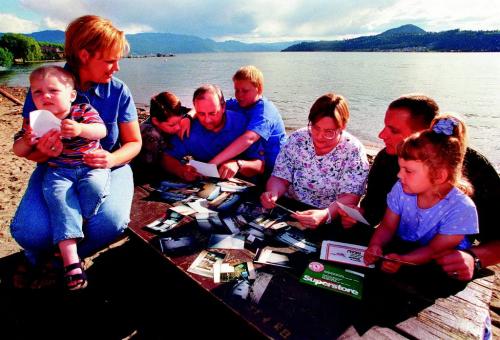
<point>319,180</point>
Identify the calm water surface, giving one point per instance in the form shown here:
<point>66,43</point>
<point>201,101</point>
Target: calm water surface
<point>467,83</point>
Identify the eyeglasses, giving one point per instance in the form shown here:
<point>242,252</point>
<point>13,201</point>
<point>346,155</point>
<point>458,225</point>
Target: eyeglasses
<point>327,133</point>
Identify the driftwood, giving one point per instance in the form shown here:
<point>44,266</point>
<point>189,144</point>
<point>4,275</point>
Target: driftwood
<point>11,97</point>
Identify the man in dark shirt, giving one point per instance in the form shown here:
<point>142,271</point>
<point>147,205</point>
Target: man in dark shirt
<point>412,113</point>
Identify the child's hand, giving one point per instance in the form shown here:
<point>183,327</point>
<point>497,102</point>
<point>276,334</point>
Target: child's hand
<point>268,199</point>
<point>391,266</point>
<point>70,128</point>
<point>228,169</point>
<point>372,254</point>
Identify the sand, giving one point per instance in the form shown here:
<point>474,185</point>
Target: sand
<point>15,170</point>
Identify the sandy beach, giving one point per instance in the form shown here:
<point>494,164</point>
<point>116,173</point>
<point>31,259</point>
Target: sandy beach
<point>15,170</point>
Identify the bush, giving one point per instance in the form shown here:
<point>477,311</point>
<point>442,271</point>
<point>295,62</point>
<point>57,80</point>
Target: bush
<point>6,58</point>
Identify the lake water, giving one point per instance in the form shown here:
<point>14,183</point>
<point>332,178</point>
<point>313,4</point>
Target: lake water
<point>467,83</point>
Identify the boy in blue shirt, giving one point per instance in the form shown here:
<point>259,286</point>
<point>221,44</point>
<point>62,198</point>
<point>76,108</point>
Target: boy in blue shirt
<point>264,120</point>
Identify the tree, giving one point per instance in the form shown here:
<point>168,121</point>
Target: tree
<point>6,58</point>
<point>51,51</point>
<point>21,46</point>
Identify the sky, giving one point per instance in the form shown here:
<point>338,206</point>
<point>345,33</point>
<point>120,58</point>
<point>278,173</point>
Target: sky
<point>256,20</point>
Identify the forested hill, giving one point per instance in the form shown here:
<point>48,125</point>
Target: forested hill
<point>410,38</point>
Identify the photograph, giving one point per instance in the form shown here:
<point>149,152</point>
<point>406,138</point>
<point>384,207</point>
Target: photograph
<point>171,245</point>
<point>204,263</point>
<point>166,223</point>
<point>222,241</point>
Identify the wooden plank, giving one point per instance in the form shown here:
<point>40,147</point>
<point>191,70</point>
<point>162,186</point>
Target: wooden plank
<point>461,316</point>
<point>456,318</point>
<point>11,97</point>
<point>381,333</point>
<point>476,294</point>
<point>420,330</point>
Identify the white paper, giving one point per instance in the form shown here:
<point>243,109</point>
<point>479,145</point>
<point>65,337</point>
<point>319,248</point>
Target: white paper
<point>42,121</point>
<point>200,206</point>
<point>205,169</point>
<point>353,213</point>
<point>344,253</point>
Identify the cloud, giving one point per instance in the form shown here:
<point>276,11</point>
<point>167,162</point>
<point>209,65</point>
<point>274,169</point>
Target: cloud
<point>270,20</point>
<point>11,23</point>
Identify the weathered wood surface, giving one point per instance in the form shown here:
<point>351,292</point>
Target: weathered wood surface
<point>10,97</point>
<point>293,310</point>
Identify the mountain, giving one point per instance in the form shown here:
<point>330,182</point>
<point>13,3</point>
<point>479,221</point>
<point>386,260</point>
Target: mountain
<point>53,36</point>
<point>146,43</point>
<point>405,29</point>
<point>152,43</point>
<point>410,38</point>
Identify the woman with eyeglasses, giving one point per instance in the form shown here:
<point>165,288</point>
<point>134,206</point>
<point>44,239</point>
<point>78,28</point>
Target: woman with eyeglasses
<point>320,164</point>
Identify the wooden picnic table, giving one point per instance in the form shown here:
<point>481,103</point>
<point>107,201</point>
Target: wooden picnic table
<point>393,306</point>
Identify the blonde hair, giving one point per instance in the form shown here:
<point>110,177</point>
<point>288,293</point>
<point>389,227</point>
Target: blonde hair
<point>438,150</point>
<point>330,105</point>
<point>64,76</point>
<point>93,34</point>
<point>252,74</point>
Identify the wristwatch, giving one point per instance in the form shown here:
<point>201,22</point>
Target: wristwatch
<point>477,262</point>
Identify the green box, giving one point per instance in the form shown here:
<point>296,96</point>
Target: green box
<point>343,281</point>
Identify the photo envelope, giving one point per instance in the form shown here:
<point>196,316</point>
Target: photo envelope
<point>343,281</point>
<point>344,253</point>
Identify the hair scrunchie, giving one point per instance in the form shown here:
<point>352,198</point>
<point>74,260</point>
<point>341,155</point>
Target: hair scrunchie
<point>445,126</point>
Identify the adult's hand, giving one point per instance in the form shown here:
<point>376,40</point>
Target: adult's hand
<point>372,254</point>
<point>228,169</point>
<point>189,173</point>
<point>185,125</point>
<point>99,159</point>
<point>311,218</point>
<point>29,137</point>
<point>391,266</point>
<point>50,144</point>
<point>457,264</point>
<point>268,199</point>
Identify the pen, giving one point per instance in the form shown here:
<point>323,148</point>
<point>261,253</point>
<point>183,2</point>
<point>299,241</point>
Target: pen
<point>285,208</point>
<point>385,258</point>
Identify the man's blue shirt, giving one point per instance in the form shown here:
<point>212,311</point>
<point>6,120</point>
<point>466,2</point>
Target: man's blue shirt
<point>265,120</point>
<point>204,144</point>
